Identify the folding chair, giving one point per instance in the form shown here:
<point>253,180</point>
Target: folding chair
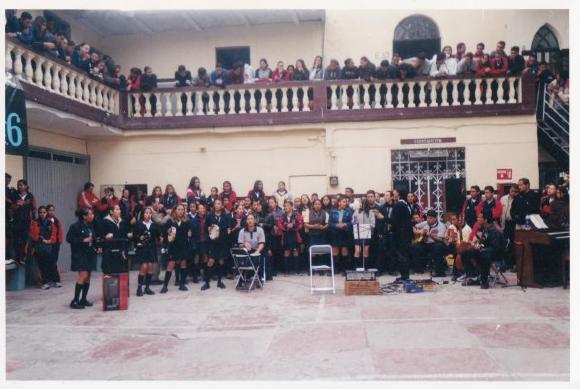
<point>316,250</point>
<point>498,277</point>
<point>248,268</point>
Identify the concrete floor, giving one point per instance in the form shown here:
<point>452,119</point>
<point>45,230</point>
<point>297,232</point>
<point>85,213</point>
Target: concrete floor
<point>284,333</point>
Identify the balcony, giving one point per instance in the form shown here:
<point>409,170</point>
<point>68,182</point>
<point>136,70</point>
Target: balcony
<point>58,85</point>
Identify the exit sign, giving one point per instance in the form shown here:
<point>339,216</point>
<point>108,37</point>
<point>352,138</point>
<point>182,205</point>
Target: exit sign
<point>504,174</point>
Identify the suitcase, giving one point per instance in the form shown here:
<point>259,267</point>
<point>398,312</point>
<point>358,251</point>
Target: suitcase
<point>116,292</point>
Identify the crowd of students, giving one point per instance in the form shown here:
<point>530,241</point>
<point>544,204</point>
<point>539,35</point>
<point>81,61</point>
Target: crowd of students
<point>446,63</point>
<point>193,235</point>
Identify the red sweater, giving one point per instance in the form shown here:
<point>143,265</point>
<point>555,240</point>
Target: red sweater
<point>232,197</point>
<point>87,199</point>
<point>35,232</point>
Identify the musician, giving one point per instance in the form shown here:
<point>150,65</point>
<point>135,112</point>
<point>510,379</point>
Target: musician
<point>340,233</point>
<point>290,223</point>
<point>218,226</point>
<point>384,234</point>
<point>146,235</point>
<point>490,248</point>
<point>489,206</point>
<point>81,236</point>
<point>433,246</point>
<point>526,203</point>
<point>469,213</point>
<point>377,247</point>
<point>113,232</point>
<point>457,238</point>
<point>253,239</point>
<point>507,223</point>
<point>362,215</point>
<point>547,200</point>
<point>402,232</point>
<point>194,192</point>
<point>177,233</point>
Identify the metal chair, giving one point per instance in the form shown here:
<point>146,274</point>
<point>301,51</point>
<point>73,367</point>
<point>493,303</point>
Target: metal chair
<point>248,268</point>
<point>317,250</point>
<point>498,277</point>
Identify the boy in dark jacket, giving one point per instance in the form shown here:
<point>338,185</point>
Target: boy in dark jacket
<point>148,79</point>
<point>516,62</point>
<point>182,77</point>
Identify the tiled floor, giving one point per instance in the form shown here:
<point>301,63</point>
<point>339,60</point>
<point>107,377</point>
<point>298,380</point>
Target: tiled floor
<point>282,332</point>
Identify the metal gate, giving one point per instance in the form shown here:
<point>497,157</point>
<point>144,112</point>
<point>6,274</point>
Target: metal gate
<point>424,172</point>
<point>57,178</point>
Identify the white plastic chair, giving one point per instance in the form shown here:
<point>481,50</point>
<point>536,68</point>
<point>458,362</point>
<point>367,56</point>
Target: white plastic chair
<point>321,250</point>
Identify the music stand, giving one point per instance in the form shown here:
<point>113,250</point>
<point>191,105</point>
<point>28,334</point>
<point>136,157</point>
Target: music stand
<point>362,232</point>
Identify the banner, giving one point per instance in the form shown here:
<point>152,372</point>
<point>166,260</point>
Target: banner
<point>16,127</point>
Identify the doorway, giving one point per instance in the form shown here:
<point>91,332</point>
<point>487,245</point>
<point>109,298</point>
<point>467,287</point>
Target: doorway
<point>436,176</point>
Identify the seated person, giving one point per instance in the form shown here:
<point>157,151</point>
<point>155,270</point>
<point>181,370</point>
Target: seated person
<point>432,246</point>
<point>253,239</point>
<point>490,248</point>
<point>457,240</point>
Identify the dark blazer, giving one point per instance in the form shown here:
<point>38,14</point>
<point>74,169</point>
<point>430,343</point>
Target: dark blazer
<point>402,224</point>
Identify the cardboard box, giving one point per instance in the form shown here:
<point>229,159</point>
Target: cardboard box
<point>362,288</point>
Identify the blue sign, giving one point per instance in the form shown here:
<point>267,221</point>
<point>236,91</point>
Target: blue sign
<point>16,127</point>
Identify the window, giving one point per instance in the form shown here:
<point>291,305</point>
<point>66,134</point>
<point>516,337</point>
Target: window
<point>227,56</point>
<point>415,34</point>
<point>545,45</point>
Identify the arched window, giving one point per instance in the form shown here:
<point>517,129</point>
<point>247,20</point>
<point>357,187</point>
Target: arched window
<point>415,34</point>
<point>545,45</point>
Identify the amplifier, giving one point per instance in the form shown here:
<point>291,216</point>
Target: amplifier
<point>361,275</point>
<point>115,292</point>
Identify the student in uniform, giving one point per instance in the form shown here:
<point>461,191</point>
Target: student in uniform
<point>81,236</point>
<point>273,234</point>
<point>107,201</point>
<point>126,207</point>
<point>290,224</point>
<point>202,240</point>
<point>340,233</point>
<point>43,238</point>
<point>59,240</point>
<point>193,219</point>
<point>469,213</point>
<point>87,198</point>
<point>228,193</point>
<point>170,199</point>
<point>194,192</point>
<point>177,234</point>
<point>213,196</point>
<point>386,210</point>
<point>402,232</point>
<point>362,215</point>
<point>316,225</point>
<point>257,192</point>
<point>218,229</point>
<point>138,202</point>
<point>281,194</point>
<point>146,235</point>
<point>114,232</point>
<point>326,203</point>
<point>23,208</point>
<point>156,193</point>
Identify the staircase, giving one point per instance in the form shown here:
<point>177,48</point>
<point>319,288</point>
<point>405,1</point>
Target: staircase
<point>553,126</point>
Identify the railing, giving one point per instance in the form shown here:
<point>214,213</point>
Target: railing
<point>54,83</point>
<point>553,122</point>
<point>58,77</point>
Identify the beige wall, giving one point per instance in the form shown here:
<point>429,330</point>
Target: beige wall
<point>346,36</point>
<point>165,51</point>
<point>14,165</point>
<point>358,153</point>
<point>50,140</point>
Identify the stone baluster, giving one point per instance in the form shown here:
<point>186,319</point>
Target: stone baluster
<point>211,106</point>
<point>422,94</point>
<point>253,101</point>
<point>444,94</point>
<point>263,101</point>
<point>114,102</point>
<point>147,97</point>
<point>356,103</point>
<point>63,81</point>
<point>512,89</point>
<point>199,103</point>
<point>488,99</point>
<point>99,91</point>
<point>8,57</point>
<point>72,88</point>
<point>137,97</point>
<point>93,96</point>
<point>455,92</point>
<point>56,79</point>
<point>189,104</point>
<point>179,104</point>
<point>28,71</point>
<point>242,93</point>
<point>47,75</point>
<point>106,93</point>
<point>38,75</point>
<point>366,97</point>
<point>86,96</point>
<point>333,98</point>
<point>478,87</point>
<point>306,100</point>
<point>294,99</point>
<point>389,96</point>
<point>222,102</point>
<point>284,100</point>
<point>400,103</point>
<point>377,96</point>
<point>520,89</point>
<point>18,62</point>
<point>501,90</point>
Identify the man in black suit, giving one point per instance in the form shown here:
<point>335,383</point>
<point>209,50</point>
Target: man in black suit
<point>402,232</point>
<point>526,203</point>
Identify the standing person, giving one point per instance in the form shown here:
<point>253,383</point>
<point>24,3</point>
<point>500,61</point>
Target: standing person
<point>333,71</point>
<point>263,73</point>
<point>317,224</point>
<point>170,198</point>
<point>301,73</point>
<point>59,240</point>
<point>87,198</point>
<point>114,232</point>
<point>202,241</point>
<point>81,236</point>
<point>460,52</point>
<point>469,213</point>
<point>402,232</point>
<point>479,52</point>
<point>257,192</point>
<point>194,191</point>
<point>183,77</point>
<point>24,209</point>
<point>290,224</point>
<point>9,195</point>
<point>156,195</point>
<point>362,215</point>
<point>490,206</point>
<point>507,224</point>
<point>138,201</point>
<point>280,73</point>
<point>273,234</point>
<point>376,258</point>
<point>43,238</point>
<point>386,210</point>
<point>326,203</point>
<point>218,229</point>
<point>213,196</point>
<point>281,194</point>
<point>526,203</point>
<point>228,192</point>
<point>107,201</point>
<point>317,71</point>
<point>516,63</point>
<point>177,233</point>
<point>126,207</point>
<point>193,219</point>
<point>340,233</point>
<point>146,235</point>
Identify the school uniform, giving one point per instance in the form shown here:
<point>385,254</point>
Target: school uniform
<point>170,200</point>
<point>340,237</point>
<point>196,195</point>
<point>146,236</point>
<point>126,209</point>
<point>22,218</point>
<point>87,199</point>
<point>138,204</point>
<point>178,249</point>
<point>115,249</point>
<point>257,196</point>
<point>281,197</point>
<point>40,230</point>
<point>317,237</point>
<point>219,248</point>
<point>469,212</point>
<point>490,209</point>
<point>56,247</point>
<point>232,197</point>
<point>402,235</point>
<point>291,238</point>
<point>83,255</point>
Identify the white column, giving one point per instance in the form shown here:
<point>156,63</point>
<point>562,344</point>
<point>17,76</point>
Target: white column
<point>179,105</point>
<point>99,90</point>
<point>356,97</point>
<point>222,102</point>
<point>199,103</point>
<point>242,93</point>
<point>400,103</point>
<point>512,91</point>
<point>38,75</point>
<point>72,88</point>
<point>63,81</point>
<point>93,95</point>
<point>333,98</point>
<point>422,95</point>
<point>56,79</point>
<point>211,103</point>
<point>137,104</point>
<point>478,86</point>
<point>306,100</point>
<point>377,96</point>
<point>86,96</point>
<point>520,99</point>
<point>147,104</point>
<point>114,102</point>
<point>389,95</point>
<point>455,92</point>
<point>263,101</point>
<point>501,90</point>
<point>488,92</point>
<point>366,97</point>
<point>295,100</point>
<point>189,104</point>
<point>18,62</point>
<point>8,57</point>
<point>444,96</point>
<point>47,75</point>
<point>284,100</point>
<point>253,101</point>
<point>106,93</point>
<point>28,66</point>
